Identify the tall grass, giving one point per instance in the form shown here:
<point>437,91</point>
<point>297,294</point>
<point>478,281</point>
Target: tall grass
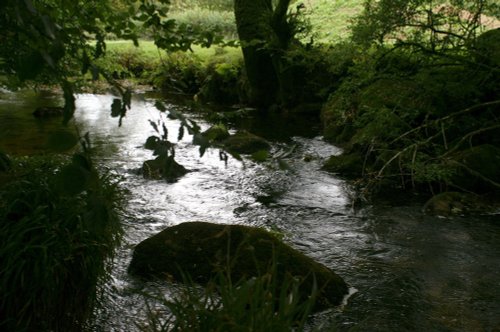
<point>53,245</point>
<point>258,305</point>
<point>207,20</point>
<point>331,19</point>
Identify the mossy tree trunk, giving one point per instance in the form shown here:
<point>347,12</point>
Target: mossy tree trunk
<point>265,35</point>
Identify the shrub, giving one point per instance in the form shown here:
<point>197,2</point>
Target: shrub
<point>221,83</point>
<point>207,20</point>
<point>128,62</point>
<point>180,72</point>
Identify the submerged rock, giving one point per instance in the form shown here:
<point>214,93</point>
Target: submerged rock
<point>245,143</point>
<point>200,250</point>
<point>348,165</point>
<point>163,168</point>
<point>48,112</point>
<point>456,203</point>
<point>216,133</point>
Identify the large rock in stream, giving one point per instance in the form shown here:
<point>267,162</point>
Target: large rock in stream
<point>201,250</point>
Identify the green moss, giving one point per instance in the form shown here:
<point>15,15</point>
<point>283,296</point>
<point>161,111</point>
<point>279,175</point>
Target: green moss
<point>216,133</point>
<point>162,167</point>
<point>245,143</point>
<point>200,250</point>
<point>350,165</point>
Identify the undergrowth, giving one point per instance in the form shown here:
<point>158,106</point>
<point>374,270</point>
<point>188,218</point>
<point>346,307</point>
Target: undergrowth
<point>258,304</point>
<point>59,223</point>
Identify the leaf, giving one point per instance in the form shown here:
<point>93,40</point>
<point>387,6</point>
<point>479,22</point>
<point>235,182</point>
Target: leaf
<point>260,155</point>
<point>116,108</point>
<point>199,139</point>
<point>160,106</point>
<point>83,161</point>
<point>61,141</point>
<point>165,131</point>
<point>181,133</point>
<point>154,125</point>
<point>151,142</point>
<point>163,148</point>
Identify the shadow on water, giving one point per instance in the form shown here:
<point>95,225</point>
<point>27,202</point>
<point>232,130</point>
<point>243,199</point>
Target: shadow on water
<point>20,132</point>
<point>411,272</point>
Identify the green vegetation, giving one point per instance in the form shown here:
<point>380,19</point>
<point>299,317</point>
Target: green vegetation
<point>252,280</point>
<point>418,99</point>
<point>410,91</point>
<point>56,234</point>
<point>330,20</point>
<point>257,304</point>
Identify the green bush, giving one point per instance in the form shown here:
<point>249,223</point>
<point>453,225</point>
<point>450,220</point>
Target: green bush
<point>208,21</point>
<point>220,5</point>
<point>180,72</point>
<point>128,62</point>
<point>221,83</point>
<point>407,117</point>
<point>55,236</point>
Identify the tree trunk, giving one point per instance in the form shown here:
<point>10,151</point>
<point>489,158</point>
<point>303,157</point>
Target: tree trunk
<point>264,35</point>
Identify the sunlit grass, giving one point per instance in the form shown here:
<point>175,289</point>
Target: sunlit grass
<point>330,19</point>
<point>148,49</point>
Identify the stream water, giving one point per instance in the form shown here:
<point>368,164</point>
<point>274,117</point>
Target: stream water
<point>411,272</point>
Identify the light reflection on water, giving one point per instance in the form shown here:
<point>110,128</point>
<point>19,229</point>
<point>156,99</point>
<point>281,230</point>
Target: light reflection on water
<point>413,273</point>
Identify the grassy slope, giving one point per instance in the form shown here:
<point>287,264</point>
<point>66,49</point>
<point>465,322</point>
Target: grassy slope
<point>149,50</point>
<point>330,19</point>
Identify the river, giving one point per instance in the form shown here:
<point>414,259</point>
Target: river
<point>411,272</point>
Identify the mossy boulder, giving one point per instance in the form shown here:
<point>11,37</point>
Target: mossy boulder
<point>216,133</point>
<point>201,250</point>
<point>165,168</point>
<point>456,203</point>
<point>402,95</point>
<point>349,165</point>
<point>245,143</point>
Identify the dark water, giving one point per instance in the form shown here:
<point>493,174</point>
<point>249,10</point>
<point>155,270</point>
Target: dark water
<point>410,272</point>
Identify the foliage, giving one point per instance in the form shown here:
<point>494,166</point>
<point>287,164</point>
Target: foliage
<point>221,83</point>
<point>58,225</point>
<point>418,96</point>
<point>330,20</point>
<point>428,26</point>
<point>258,304</point>
<point>206,20</point>
<point>214,5</point>
<point>39,35</point>
<point>179,72</point>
